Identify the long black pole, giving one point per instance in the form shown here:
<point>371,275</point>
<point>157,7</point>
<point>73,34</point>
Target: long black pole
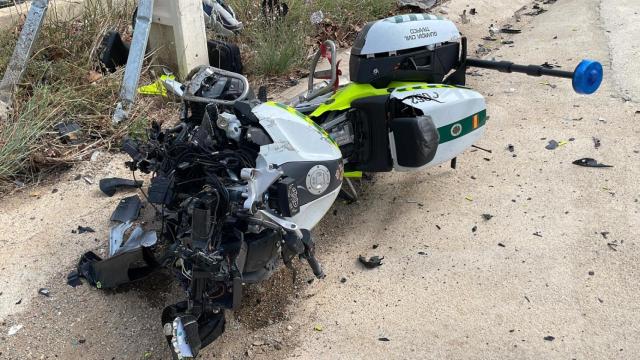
<point>509,67</point>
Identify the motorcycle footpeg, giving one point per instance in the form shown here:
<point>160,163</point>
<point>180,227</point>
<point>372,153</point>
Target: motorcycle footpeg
<point>315,266</point>
<point>309,254</point>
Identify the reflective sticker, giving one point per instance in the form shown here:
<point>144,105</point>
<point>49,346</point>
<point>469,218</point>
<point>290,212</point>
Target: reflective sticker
<point>456,129</point>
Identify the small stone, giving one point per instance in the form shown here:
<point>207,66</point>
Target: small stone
<point>343,280</point>
<point>258,343</point>
<point>474,228</point>
<point>591,273</point>
<point>549,338</point>
<point>289,327</point>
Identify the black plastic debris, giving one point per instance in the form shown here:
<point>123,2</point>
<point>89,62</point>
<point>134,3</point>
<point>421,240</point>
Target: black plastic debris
<point>109,186</point>
<point>127,210</point>
<point>113,51</point>
<point>73,279</point>
<point>383,339</point>
<point>375,246</point>
<point>372,263</point>
<point>487,216</point>
<point>501,245</point>
<point>596,142</point>
<point>343,280</point>
<point>85,229</point>
<point>589,162</point>
<point>551,145</point>
<point>125,267</point>
<point>44,292</point>
<point>19,301</point>
<point>537,10</point>
<point>591,273</point>
<point>549,338</point>
<point>537,233</point>
<point>474,228</point>
<point>511,148</point>
<point>604,234</point>
<point>483,149</point>
<point>69,133</point>
<point>507,42</point>
<point>508,30</point>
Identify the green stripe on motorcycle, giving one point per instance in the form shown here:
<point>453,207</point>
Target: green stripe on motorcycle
<point>462,127</point>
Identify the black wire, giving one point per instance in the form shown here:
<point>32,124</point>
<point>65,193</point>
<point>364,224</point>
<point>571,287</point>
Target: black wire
<point>143,193</point>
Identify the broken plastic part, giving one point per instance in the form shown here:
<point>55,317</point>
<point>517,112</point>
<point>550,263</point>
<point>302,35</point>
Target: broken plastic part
<point>589,162</point>
<point>373,261</point>
<point>116,237</point>
<point>69,133</point>
<point>109,186</point>
<point>114,52</point>
<point>128,209</point>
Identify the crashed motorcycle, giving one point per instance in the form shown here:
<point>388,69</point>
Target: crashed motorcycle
<point>239,183</point>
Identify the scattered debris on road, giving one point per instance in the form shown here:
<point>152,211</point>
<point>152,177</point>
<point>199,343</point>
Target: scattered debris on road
<point>549,338</point>
<point>590,162</point>
<point>44,292</point>
<point>383,339</point>
<point>487,217</point>
<point>109,186</point>
<point>85,229</point>
<point>69,133</point>
<point>501,245</point>
<point>596,142</point>
<point>483,149</point>
<point>537,233</point>
<point>14,329</point>
<point>372,262</point>
<point>507,29</point>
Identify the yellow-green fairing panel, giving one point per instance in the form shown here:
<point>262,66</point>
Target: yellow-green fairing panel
<point>343,98</point>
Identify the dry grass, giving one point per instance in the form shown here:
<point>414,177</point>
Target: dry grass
<point>57,88</point>
<point>278,46</point>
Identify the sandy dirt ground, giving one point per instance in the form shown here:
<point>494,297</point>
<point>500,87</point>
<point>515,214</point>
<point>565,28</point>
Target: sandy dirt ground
<point>558,259</point>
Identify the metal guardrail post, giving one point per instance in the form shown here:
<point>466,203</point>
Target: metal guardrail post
<point>21,54</point>
<point>134,61</point>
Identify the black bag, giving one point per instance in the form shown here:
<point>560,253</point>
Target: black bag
<point>225,56</point>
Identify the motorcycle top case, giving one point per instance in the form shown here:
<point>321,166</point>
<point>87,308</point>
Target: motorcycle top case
<point>413,47</point>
